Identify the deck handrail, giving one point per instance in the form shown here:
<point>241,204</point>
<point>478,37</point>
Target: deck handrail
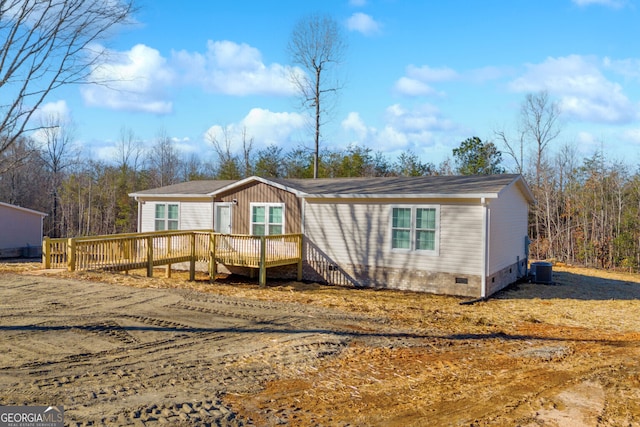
<point>129,251</point>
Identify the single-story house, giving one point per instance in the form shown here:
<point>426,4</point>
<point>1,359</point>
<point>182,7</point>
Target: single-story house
<point>20,231</point>
<point>457,235</point>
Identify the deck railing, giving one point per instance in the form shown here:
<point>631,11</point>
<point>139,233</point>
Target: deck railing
<point>124,252</point>
<point>259,252</point>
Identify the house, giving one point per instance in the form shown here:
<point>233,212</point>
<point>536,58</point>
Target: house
<point>457,235</point>
<point>20,231</point>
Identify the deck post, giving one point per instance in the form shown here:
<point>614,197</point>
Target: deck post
<point>150,256</point>
<point>213,267</point>
<point>300,247</point>
<point>192,259</point>
<point>71,254</point>
<point>262,280</point>
<point>46,252</point>
<point>167,269</point>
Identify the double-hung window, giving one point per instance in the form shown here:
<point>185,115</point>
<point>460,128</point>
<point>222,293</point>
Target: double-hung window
<point>267,219</point>
<point>415,228</point>
<point>166,217</point>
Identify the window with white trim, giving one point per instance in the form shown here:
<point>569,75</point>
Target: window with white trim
<point>166,217</point>
<point>267,219</point>
<point>415,228</point>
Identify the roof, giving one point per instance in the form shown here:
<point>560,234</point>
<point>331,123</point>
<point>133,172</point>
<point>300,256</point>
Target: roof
<point>25,210</point>
<point>473,186</point>
<point>438,186</point>
<point>190,188</point>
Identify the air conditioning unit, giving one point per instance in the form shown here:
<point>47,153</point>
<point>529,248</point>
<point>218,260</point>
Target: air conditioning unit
<point>542,272</point>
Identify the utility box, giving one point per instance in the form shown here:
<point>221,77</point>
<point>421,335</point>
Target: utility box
<point>542,272</point>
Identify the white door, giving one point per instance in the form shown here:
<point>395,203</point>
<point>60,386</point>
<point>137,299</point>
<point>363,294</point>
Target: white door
<point>223,218</point>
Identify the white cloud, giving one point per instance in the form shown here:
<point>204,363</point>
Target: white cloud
<point>141,79</point>
<point>263,126</point>
<point>584,92</point>
<point>52,114</point>
<point>616,4</point>
<point>413,87</point>
<point>587,138</point>
<point>354,123</point>
<point>271,127</point>
<point>403,129</point>
<point>629,68</point>
<point>417,79</point>
<point>632,135</point>
<point>429,74</point>
<point>233,69</point>
<point>134,80</point>
<point>58,109</point>
<point>417,120</point>
<point>363,23</point>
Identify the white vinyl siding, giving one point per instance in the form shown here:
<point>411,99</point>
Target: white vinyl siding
<point>196,215</point>
<point>193,215</point>
<point>508,216</point>
<point>19,227</point>
<point>358,234</point>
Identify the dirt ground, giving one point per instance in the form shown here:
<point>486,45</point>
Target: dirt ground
<point>129,350</point>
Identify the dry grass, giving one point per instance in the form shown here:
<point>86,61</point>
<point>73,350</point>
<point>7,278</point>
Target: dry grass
<point>579,296</point>
<point>503,361</point>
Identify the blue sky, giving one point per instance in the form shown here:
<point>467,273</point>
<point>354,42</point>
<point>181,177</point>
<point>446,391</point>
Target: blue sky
<point>420,75</point>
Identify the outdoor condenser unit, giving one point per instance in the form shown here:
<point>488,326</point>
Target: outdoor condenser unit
<point>542,272</point>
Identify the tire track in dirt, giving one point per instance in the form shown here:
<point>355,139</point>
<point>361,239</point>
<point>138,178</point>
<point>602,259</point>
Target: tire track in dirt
<point>151,345</point>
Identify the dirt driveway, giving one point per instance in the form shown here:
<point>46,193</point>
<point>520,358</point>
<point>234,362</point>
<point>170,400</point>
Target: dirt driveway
<point>138,351</point>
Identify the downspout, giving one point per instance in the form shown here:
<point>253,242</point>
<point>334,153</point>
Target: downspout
<point>139,214</point>
<point>303,204</point>
<point>303,208</point>
<point>213,213</point>
<point>485,251</point>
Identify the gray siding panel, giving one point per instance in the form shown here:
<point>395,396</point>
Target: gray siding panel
<point>193,215</point>
<point>358,234</point>
<point>196,215</point>
<point>508,229</point>
<point>19,228</point>
<point>147,216</point>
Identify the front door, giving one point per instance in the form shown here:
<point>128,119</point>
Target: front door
<point>223,218</point>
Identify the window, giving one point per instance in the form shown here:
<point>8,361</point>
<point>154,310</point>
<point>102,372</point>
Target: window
<point>267,219</point>
<point>166,217</point>
<point>414,228</point>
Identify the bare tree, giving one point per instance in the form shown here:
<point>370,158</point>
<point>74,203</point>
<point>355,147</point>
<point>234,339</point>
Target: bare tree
<point>128,150</point>
<point>58,153</point>
<point>164,161</point>
<point>45,45</point>
<point>514,148</point>
<point>19,164</point>
<point>318,45</point>
<point>540,124</point>
<point>247,149</point>
<point>228,162</point>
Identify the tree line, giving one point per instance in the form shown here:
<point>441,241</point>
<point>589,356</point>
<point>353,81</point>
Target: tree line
<point>84,196</point>
<point>587,210</point>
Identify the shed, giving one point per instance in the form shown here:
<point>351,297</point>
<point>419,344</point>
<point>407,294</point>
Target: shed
<point>20,231</point>
<point>457,235</point>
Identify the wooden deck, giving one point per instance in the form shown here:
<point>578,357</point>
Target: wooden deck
<point>124,252</point>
